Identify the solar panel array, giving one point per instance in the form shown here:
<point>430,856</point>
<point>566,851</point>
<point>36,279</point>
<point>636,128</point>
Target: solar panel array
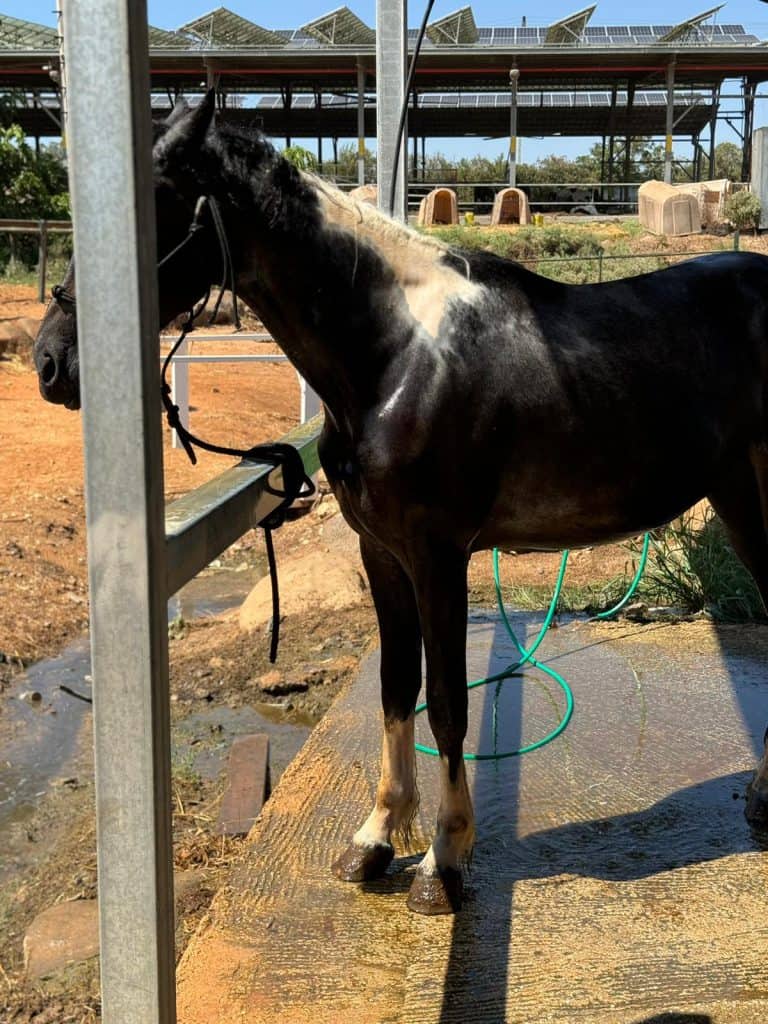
<point>225,30</point>
<point>486,100</point>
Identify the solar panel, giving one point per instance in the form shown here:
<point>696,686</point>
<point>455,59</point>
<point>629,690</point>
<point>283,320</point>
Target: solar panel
<point>16,34</point>
<point>340,28</point>
<point>224,28</point>
<point>454,29</point>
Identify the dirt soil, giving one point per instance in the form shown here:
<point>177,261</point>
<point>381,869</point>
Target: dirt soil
<point>44,605</point>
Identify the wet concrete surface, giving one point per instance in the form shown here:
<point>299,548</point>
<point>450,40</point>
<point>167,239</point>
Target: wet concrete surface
<point>615,879</point>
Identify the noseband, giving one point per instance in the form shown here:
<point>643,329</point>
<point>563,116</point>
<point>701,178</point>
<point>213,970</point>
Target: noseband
<point>296,483</point>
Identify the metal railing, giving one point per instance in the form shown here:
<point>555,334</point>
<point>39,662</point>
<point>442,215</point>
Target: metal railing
<point>309,401</point>
<point>41,228</point>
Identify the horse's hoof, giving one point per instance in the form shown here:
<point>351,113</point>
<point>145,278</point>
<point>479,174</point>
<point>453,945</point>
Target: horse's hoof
<point>756,811</point>
<point>363,863</point>
<point>440,893</point>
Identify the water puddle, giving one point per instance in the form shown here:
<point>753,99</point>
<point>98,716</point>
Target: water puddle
<point>45,731</point>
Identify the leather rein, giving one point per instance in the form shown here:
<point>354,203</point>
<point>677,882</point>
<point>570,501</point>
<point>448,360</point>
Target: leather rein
<point>296,483</point>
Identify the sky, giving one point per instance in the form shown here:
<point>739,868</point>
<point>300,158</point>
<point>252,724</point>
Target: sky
<point>753,14</point>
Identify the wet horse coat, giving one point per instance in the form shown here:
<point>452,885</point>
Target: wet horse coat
<point>469,403</point>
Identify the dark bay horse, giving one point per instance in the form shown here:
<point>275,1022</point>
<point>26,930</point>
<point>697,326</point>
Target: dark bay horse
<point>468,403</point>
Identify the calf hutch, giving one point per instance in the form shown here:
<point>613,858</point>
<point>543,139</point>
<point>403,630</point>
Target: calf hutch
<point>667,210</point>
<point>510,207</point>
<point>439,207</point>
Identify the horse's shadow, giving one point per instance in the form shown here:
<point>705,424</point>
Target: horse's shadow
<point>700,823</point>
<point>695,825</point>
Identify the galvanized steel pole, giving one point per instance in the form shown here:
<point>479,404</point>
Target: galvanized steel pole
<point>391,63</point>
<point>107,56</point>
<point>514,78</point>
<point>670,121</point>
<point>360,122</point>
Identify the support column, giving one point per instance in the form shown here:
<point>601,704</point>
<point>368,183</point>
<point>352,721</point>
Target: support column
<point>360,122</point>
<point>415,134</point>
<point>670,122</point>
<point>628,139</point>
<point>391,63</point>
<point>713,130</point>
<point>107,49</point>
<point>749,124</point>
<point>514,78</point>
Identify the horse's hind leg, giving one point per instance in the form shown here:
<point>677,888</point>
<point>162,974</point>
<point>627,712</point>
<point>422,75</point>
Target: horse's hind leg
<point>741,501</point>
<point>370,851</point>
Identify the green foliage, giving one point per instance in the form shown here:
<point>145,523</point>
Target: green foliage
<point>693,566</point>
<point>727,161</point>
<point>31,186</point>
<point>300,158</point>
<point>345,168</point>
<point>742,209</point>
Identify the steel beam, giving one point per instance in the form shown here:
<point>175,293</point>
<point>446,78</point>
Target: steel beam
<point>514,78</point>
<point>106,52</point>
<point>391,51</point>
<point>670,122</point>
<point>360,122</point>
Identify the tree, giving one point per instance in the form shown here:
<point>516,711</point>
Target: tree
<point>727,161</point>
<point>31,186</point>
<point>300,158</point>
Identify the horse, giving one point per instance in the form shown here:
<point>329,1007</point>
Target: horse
<point>469,403</point>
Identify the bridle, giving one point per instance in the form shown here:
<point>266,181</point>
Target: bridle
<point>296,483</point>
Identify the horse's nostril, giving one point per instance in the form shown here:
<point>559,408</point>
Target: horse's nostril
<point>48,370</point>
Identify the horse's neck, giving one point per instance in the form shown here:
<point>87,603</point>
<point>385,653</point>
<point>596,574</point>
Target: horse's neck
<point>340,287</point>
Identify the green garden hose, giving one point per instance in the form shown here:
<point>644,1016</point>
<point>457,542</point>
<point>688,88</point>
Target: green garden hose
<point>527,657</point>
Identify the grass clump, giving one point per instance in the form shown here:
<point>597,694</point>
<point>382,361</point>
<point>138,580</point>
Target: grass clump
<point>693,566</point>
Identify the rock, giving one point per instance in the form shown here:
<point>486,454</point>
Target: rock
<point>31,696</point>
<point>276,685</point>
<point>65,934</point>
<point>17,337</point>
<point>320,580</point>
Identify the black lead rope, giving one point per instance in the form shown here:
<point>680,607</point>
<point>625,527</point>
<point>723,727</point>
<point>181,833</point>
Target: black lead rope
<point>296,483</point>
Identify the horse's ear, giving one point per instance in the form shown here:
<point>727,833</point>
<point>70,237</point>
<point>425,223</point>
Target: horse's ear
<point>186,128</point>
<point>181,108</point>
<point>198,120</point>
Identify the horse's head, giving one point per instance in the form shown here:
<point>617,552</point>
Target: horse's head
<point>179,181</point>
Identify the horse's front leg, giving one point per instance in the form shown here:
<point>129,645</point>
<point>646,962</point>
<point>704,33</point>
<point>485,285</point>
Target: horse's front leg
<point>440,580</point>
<point>371,850</point>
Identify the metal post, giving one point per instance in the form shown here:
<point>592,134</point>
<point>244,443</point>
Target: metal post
<point>712,130</point>
<point>360,122</point>
<point>42,259</point>
<point>180,390</point>
<point>415,108</point>
<point>670,122</point>
<point>111,182</point>
<point>391,54</point>
<point>514,77</point>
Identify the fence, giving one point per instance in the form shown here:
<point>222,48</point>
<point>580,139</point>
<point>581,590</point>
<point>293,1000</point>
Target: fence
<point>309,402</point>
<point>41,228</point>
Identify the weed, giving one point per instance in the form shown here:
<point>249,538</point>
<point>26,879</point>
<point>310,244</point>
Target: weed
<point>693,566</point>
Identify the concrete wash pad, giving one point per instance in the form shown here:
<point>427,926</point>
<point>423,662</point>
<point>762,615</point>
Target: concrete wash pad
<point>615,880</point>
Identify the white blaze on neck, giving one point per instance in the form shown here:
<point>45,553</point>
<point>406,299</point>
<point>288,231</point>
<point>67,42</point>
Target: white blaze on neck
<point>417,261</point>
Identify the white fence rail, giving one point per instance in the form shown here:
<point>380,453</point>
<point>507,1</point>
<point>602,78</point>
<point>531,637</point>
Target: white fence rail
<point>309,402</point>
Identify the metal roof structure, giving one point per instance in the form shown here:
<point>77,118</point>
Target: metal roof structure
<point>225,28</point>
<point>569,30</point>
<point>454,29</point>
<point>16,34</point>
<point>576,77</point>
<point>340,28</point>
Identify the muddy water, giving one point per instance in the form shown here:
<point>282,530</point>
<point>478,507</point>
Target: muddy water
<point>45,742</point>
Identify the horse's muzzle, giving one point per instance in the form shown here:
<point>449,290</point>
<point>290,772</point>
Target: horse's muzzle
<point>54,381</point>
